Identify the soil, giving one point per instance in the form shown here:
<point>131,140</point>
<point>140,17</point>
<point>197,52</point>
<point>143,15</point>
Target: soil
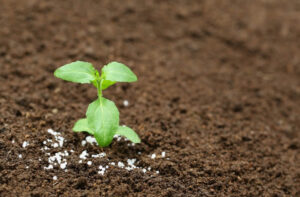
<point>218,92</point>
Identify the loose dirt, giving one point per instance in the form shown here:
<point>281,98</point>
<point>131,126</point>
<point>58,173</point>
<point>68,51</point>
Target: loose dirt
<point>218,93</point>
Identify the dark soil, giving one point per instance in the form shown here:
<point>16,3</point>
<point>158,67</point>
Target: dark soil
<point>218,91</point>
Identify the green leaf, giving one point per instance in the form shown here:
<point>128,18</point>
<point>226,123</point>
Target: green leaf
<point>82,125</point>
<point>128,133</point>
<point>116,71</point>
<point>107,83</point>
<point>79,72</point>
<point>103,119</point>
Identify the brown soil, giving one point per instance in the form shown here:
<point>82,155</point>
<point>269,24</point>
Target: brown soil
<point>218,91</point>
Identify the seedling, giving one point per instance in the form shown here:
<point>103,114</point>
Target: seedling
<point>102,116</point>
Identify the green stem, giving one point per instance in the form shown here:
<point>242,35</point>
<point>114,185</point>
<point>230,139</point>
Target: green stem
<point>99,88</point>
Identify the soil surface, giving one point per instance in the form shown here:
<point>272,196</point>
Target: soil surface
<point>218,94</point>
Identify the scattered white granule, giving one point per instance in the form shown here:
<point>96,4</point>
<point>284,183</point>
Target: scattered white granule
<point>46,148</point>
<point>44,142</point>
<point>57,159</point>
<point>125,103</point>
<point>72,151</point>
<point>118,137</point>
<point>13,141</point>
<point>157,172</point>
<point>131,165</point>
<point>57,136</point>
<point>55,178</point>
<point>121,164</point>
<point>131,162</point>
<point>55,145</point>
<point>139,153</point>
<point>63,165</point>
<point>144,170</point>
<point>80,161</point>
<point>149,168</point>
<point>83,143</point>
<point>20,156</point>
<point>49,167</point>
<point>27,167</point>
<point>112,163</point>
<point>60,140</point>
<point>100,155</point>
<point>153,156</point>
<point>83,155</point>
<point>101,170</point>
<point>40,159</point>
<point>53,132</point>
<point>66,153</point>
<point>91,140</point>
<point>89,163</point>
<point>163,154</point>
<point>25,144</point>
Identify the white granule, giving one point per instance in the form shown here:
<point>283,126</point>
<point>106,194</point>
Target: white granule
<point>153,156</point>
<point>112,163</point>
<point>66,153</point>
<point>55,145</point>
<point>157,172</point>
<point>53,132</point>
<point>83,143</point>
<point>149,168</point>
<point>163,154</point>
<point>131,161</point>
<point>57,136</point>
<point>72,151</point>
<point>80,161</point>
<point>13,141</point>
<point>83,155</point>
<point>46,148</point>
<point>131,165</point>
<point>131,144</point>
<point>49,167</point>
<point>89,163</point>
<point>139,153</point>
<point>121,164</point>
<point>118,137</point>
<point>144,170</point>
<point>20,156</point>
<point>100,155</point>
<point>63,165</point>
<point>27,167</point>
<point>55,178</point>
<point>25,144</point>
<point>44,142</point>
<point>60,140</point>
<point>91,140</point>
<point>101,170</point>
<point>125,103</point>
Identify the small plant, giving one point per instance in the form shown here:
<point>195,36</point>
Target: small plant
<point>102,116</point>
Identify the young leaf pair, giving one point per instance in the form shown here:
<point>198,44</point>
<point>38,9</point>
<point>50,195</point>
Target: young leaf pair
<point>102,116</point>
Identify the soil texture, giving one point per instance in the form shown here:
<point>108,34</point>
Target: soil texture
<point>217,104</point>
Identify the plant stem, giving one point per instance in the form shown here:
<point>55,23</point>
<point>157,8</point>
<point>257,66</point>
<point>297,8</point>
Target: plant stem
<point>99,88</point>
